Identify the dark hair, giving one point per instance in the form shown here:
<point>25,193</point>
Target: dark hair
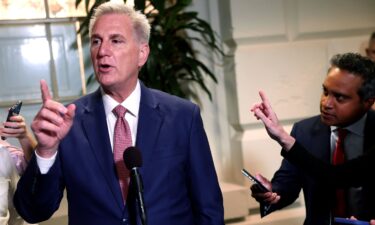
<point>360,66</point>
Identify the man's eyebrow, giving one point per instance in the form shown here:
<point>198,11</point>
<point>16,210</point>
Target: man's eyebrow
<point>116,36</point>
<point>335,93</point>
<point>112,36</point>
<point>95,36</point>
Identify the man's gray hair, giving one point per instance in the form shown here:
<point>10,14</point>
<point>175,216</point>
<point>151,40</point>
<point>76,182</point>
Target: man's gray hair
<point>140,23</point>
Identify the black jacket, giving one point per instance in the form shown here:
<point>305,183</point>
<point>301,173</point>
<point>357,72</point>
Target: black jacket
<point>314,136</point>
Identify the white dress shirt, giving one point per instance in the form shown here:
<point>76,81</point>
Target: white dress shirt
<point>131,104</point>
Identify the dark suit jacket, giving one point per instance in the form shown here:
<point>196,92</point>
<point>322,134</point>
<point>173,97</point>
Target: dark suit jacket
<point>288,181</point>
<point>354,173</point>
<point>180,182</point>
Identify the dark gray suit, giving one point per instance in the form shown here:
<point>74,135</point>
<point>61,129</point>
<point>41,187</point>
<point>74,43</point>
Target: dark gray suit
<point>288,181</point>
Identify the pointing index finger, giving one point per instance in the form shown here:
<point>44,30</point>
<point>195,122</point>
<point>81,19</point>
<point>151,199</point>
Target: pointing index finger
<point>264,99</point>
<point>45,91</point>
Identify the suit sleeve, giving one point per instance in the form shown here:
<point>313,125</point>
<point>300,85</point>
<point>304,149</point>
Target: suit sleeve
<point>38,195</point>
<point>287,181</point>
<point>207,201</point>
<point>351,173</point>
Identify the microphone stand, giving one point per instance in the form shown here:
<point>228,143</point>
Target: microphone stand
<point>139,189</point>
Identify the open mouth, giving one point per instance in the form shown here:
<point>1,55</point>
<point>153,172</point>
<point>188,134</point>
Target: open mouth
<point>104,67</point>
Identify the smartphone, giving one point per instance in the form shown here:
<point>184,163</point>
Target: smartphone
<point>13,111</point>
<point>264,207</point>
<point>261,187</point>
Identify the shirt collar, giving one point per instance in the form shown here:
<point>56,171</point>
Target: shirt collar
<point>357,127</point>
<point>131,103</point>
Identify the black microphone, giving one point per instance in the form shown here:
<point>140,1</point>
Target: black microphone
<point>133,160</point>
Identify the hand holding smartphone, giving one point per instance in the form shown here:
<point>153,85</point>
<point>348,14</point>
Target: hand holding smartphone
<point>253,179</point>
<point>13,111</point>
<point>264,207</point>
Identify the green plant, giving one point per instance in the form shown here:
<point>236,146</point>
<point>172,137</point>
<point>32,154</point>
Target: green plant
<point>173,63</point>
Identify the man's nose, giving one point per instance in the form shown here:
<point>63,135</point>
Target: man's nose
<point>104,49</point>
<point>327,101</point>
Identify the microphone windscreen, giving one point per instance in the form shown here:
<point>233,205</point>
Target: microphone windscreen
<point>132,157</point>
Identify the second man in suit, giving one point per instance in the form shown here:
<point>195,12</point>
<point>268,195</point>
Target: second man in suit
<point>346,100</point>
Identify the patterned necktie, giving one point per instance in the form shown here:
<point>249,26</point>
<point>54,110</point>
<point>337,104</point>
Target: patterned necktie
<point>339,158</point>
<point>121,140</point>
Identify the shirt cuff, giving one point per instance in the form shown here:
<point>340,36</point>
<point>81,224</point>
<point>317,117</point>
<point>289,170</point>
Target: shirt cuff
<point>45,164</point>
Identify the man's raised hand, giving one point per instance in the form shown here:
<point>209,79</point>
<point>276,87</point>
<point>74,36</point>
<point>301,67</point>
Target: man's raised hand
<point>52,123</point>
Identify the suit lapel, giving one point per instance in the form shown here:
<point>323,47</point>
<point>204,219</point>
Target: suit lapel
<point>96,131</point>
<point>149,123</point>
<point>322,141</point>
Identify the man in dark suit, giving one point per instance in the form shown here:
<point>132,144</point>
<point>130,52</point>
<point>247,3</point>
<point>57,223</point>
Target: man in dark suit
<point>76,144</point>
<point>346,101</point>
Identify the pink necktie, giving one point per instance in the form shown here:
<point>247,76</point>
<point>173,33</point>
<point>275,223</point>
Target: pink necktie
<point>121,140</point>
<point>339,158</point>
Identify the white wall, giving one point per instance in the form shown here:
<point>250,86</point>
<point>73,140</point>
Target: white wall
<point>284,47</point>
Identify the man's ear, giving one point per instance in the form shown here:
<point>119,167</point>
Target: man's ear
<point>144,50</point>
<point>369,102</point>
